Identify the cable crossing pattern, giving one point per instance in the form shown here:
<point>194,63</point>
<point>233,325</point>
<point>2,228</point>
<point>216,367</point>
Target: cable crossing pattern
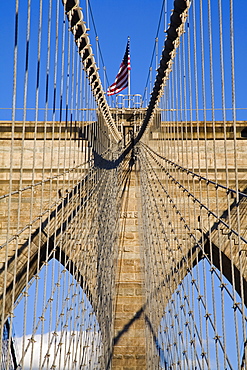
<point>123,227</point>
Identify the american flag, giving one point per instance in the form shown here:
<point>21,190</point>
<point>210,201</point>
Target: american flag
<point>121,80</point>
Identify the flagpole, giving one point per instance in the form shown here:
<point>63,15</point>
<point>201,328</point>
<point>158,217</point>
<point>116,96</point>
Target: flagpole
<point>129,81</point>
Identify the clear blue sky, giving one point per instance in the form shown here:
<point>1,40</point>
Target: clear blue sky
<point>115,21</point>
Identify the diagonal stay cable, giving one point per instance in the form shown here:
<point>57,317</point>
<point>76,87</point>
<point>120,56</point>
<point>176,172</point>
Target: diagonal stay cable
<point>175,30</point>
<point>95,30</point>
<point>153,53</point>
<point>196,200</point>
<point>79,30</point>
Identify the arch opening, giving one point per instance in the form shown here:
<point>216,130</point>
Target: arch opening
<point>54,323</point>
<point>203,324</point>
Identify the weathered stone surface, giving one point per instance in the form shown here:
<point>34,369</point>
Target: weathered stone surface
<point>129,350</point>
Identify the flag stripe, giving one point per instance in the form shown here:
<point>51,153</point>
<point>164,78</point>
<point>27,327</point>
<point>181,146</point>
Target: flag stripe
<point>121,80</point>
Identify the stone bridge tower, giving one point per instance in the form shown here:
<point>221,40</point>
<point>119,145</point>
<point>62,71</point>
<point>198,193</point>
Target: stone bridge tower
<point>129,303</point>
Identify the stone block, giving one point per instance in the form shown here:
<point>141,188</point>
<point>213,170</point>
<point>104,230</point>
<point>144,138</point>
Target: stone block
<point>117,356</point>
<point>139,324</point>
<point>119,308</point>
<point>129,269</point>
<point>129,235</point>
<point>137,299</point>
<point>126,292</point>
<point>131,307</point>
<point>138,291</point>
<point>129,357</point>
<point>127,276</point>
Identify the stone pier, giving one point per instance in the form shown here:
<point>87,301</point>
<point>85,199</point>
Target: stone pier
<point>129,342</point>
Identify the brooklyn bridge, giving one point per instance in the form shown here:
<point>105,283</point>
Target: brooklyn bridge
<point>123,240</point>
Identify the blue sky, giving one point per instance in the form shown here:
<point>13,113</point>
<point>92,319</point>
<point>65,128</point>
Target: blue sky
<point>115,21</point>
